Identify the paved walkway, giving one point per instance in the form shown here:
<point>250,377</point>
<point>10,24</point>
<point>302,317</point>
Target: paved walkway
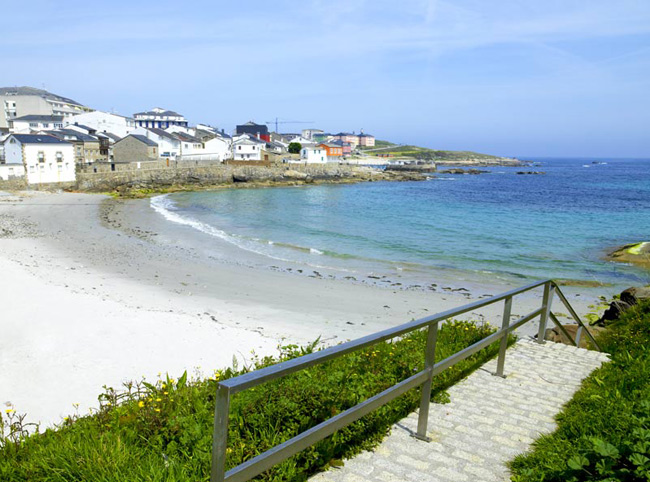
<point>487,423</point>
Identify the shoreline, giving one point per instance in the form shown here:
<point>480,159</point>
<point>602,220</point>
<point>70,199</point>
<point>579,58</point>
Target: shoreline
<point>101,291</point>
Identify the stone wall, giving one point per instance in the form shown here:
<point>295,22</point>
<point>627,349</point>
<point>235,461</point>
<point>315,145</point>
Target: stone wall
<point>163,178</point>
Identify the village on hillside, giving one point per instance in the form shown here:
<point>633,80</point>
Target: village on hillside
<point>46,138</point>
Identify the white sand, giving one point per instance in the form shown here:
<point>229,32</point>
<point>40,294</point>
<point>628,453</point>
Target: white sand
<point>87,305</point>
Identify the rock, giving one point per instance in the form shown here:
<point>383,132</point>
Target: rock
<point>292,174</point>
<point>531,172</point>
<point>240,177</point>
<point>633,295</point>
<point>635,253</point>
<point>612,313</point>
<point>554,334</point>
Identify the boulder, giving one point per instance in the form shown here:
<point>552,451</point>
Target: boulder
<point>612,313</point>
<point>554,334</point>
<point>633,295</point>
<point>297,175</point>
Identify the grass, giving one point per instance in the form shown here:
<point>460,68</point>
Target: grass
<point>163,431</point>
<point>604,431</point>
<point>425,153</point>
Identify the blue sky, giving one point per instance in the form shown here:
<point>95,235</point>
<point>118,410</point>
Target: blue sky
<point>520,78</point>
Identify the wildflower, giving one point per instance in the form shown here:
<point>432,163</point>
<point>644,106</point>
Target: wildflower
<point>140,404</point>
<point>157,409</point>
<point>158,399</point>
<point>228,450</point>
<point>9,410</point>
<point>165,393</point>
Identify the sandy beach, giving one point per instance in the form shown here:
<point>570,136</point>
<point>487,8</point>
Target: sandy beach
<point>98,291</point>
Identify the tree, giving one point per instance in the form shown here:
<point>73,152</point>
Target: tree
<point>294,148</point>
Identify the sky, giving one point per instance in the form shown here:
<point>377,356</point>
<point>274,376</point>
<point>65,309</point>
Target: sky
<point>550,78</point>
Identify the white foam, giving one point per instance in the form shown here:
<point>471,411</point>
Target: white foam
<point>165,207</point>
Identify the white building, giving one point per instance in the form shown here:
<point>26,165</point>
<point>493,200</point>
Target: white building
<point>45,158</point>
<point>309,133</point>
<point>29,123</point>
<point>104,122</point>
<point>22,101</point>
<point>247,148</point>
<point>11,171</point>
<point>218,148</point>
<point>169,146</point>
<point>159,118</point>
<point>190,145</point>
<point>313,155</point>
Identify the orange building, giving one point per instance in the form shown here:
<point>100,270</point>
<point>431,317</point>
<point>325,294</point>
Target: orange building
<point>332,150</point>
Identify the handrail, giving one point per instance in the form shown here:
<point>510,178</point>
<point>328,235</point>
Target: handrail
<point>575,316</point>
<point>423,379</point>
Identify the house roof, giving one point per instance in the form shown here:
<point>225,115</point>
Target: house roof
<point>248,138</point>
<point>37,139</point>
<point>49,118</point>
<point>110,135</point>
<point>79,136</point>
<point>163,133</point>
<point>142,139</point>
<point>76,124</point>
<point>25,90</point>
<point>251,123</point>
<point>330,144</point>
<point>182,136</point>
<point>365,135</point>
<point>345,134</point>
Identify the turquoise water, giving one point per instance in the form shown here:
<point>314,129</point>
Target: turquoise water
<point>496,225</point>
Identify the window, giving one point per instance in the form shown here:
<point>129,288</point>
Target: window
<point>41,156</point>
<point>60,167</point>
<point>33,124</point>
<point>59,157</point>
<point>239,147</point>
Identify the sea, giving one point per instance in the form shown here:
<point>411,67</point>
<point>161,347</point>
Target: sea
<point>453,229</point>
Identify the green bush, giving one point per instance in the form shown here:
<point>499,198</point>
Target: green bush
<point>163,431</point>
<point>604,431</point>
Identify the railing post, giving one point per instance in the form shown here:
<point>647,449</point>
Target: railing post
<point>220,434</point>
<point>425,397</point>
<point>507,309</point>
<point>546,308</point>
<point>578,335</point>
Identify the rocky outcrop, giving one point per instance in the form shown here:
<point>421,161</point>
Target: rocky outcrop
<point>636,253</point>
<point>531,172</point>
<point>555,334</point>
<point>426,167</point>
<point>459,170</point>
<point>625,301</point>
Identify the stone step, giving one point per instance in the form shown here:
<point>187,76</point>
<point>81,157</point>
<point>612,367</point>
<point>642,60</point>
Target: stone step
<point>488,421</point>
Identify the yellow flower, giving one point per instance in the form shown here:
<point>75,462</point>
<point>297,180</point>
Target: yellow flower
<point>158,399</point>
<point>157,409</point>
<point>10,410</point>
<point>140,404</point>
<point>165,393</point>
<point>228,450</point>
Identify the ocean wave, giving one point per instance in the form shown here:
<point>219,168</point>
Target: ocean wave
<point>165,207</point>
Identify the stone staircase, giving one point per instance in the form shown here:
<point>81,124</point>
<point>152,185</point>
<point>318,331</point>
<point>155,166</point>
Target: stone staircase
<point>488,421</point>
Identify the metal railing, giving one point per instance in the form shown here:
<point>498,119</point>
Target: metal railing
<point>227,388</point>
